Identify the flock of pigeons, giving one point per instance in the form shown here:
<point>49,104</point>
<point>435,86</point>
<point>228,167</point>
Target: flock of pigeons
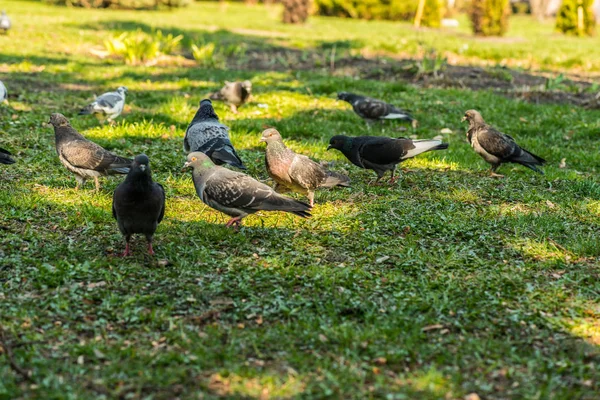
<point>139,202</point>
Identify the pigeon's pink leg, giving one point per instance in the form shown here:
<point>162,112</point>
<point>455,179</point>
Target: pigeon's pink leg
<point>150,249</point>
<point>235,222</point>
<point>127,250</point>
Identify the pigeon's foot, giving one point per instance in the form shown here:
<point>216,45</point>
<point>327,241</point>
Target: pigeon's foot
<point>150,249</point>
<point>234,222</point>
<point>97,184</point>
<point>394,179</point>
<point>233,109</point>
<point>127,251</point>
<point>495,175</point>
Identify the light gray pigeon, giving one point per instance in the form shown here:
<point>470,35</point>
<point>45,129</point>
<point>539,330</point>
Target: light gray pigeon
<point>371,109</point>
<point>381,154</point>
<point>4,22</point>
<point>235,94</point>
<point>296,172</point>
<point>206,134</point>
<point>110,104</point>
<point>236,194</point>
<point>5,157</point>
<point>83,157</point>
<point>497,148</point>
<point>3,92</point>
<point>139,203</point>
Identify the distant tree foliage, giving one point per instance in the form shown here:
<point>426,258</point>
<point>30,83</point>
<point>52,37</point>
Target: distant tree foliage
<point>383,9</point>
<point>123,4</point>
<point>489,17</point>
<point>296,11</point>
<point>575,17</point>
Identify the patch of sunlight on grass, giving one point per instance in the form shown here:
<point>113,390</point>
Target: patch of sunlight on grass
<point>464,195</point>
<point>141,129</point>
<point>594,207</point>
<point>588,329</point>
<point>431,162</point>
<point>177,108</point>
<point>18,106</point>
<point>544,251</point>
<point>431,382</point>
<point>264,387</point>
<point>514,209</point>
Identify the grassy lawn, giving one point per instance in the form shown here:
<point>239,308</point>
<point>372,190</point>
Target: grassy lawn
<point>444,284</point>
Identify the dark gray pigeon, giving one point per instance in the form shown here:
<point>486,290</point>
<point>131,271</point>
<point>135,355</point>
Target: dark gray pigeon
<point>296,172</point>
<point>206,134</point>
<point>139,203</point>
<point>83,157</point>
<point>381,154</point>
<point>235,193</point>
<point>371,109</point>
<point>5,157</point>
<point>3,92</point>
<point>4,22</point>
<point>110,104</point>
<point>496,147</point>
<point>235,94</point>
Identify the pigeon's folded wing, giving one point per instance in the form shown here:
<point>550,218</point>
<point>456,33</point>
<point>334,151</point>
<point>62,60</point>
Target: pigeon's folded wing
<point>237,190</point>
<point>371,108</point>
<point>306,172</point>
<point>162,210</point>
<point>89,155</point>
<point>385,150</point>
<point>109,100</point>
<point>497,143</point>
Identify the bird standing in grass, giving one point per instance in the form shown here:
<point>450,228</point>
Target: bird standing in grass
<point>236,94</point>
<point>236,194</point>
<point>206,134</point>
<point>381,154</point>
<point>497,148</point>
<point>83,157</point>
<point>296,172</point>
<point>5,23</point>
<point>3,93</point>
<point>5,157</point>
<point>139,203</point>
<point>110,104</point>
<point>372,110</point>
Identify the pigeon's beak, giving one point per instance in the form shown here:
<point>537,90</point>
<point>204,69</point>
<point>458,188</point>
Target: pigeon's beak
<point>263,139</point>
<point>329,147</point>
<point>463,119</point>
<point>185,166</point>
<point>49,124</point>
<point>142,167</point>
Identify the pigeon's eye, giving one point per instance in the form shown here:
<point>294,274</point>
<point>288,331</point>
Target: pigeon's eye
<point>194,158</point>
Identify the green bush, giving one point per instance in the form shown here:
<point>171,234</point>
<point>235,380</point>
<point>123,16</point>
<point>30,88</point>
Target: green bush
<point>139,47</point>
<point>489,17</point>
<point>124,4</point>
<point>382,9</point>
<point>567,19</point>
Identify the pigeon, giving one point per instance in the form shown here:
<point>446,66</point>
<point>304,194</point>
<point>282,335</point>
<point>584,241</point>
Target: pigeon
<point>236,194</point>
<point>374,110</point>
<point>3,93</point>
<point>496,147</point>
<point>206,134</point>
<point>109,103</point>
<point>5,157</point>
<point>236,94</point>
<point>296,172</point>
<point>139,203</point>
<point>4,22</point>
<point>83,157</point>
<point>381,154</point>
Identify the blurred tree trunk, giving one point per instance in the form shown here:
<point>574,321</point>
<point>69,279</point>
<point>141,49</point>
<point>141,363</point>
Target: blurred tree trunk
<point>539,8</point>
<point>296,11</point>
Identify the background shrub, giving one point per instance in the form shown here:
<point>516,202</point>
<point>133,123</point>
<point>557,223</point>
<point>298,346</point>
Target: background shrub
<point>489,17</point>
<point>567,19</point>
<point>124,4</point>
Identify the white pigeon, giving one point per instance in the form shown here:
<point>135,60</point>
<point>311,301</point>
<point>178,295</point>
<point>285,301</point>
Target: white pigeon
<point>4,22</point>
<point>3,93</point>
<point>110,104</point>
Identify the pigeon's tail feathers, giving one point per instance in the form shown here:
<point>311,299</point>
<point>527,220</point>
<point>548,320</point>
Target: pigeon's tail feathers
<point>303,214</point>
<point>120,165</point>
<point>336,179</point>
<point>530,161</point>
<point>227,155</point>
<point>422,146</point>
<point>89,109</point>
<point>287,204</point>
<point>399,114</point>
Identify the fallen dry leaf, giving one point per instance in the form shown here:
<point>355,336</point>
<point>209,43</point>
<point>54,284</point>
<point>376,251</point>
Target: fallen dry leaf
<point>563,163</point>
<point>432,327</point>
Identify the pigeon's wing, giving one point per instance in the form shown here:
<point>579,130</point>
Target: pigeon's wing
<point>88,155</point>
<point>371,108</point>
<point>109,100</point>
<point>198,134</point>
<point>496,142</point>
<point>162,210</point>
<point>306,172</point>
<point>5,157</point>
<point>385,150</point>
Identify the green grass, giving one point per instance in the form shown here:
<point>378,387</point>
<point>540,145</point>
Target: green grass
<point>445,284</point>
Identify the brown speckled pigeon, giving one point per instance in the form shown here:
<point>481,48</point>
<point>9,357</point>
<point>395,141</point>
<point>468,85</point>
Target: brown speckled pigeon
<point>236,94</point>
<point>371,109</point>
<point>296,172</point>
<point>495,147</point>
<point>235,193</point>
<point>83,157</point>
<point>139,203</point>
<point>379,153</point>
